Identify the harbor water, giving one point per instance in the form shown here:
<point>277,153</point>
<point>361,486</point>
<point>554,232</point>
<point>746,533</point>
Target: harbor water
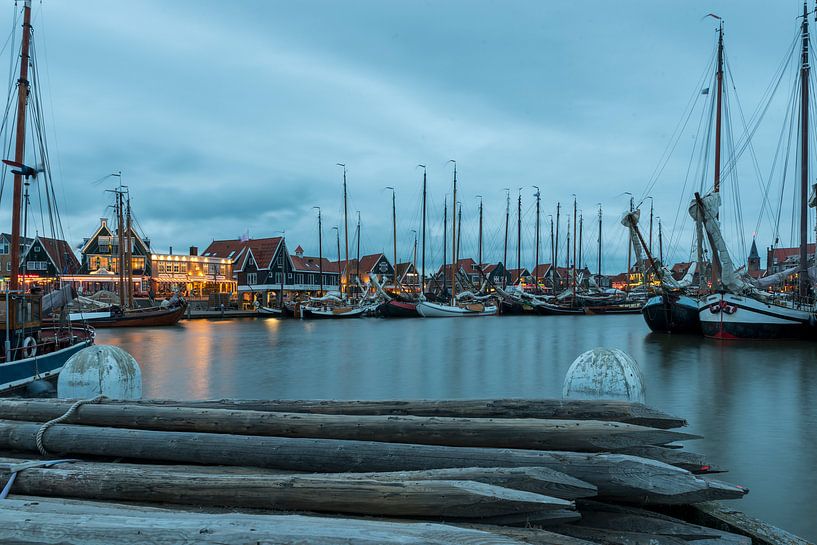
<point>754,402</point>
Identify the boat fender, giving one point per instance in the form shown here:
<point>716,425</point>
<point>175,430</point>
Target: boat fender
<point>29,347</point>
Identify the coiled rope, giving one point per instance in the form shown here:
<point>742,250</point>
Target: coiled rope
<point>66,416</point>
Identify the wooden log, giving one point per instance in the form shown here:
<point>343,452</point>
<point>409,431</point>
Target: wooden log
<point>329,495</point>
<point>539,480</point>
<point>524,433</point>
<point>691,461</point>
<point>616,537</point>
<point>553,517</point>
<point>534,536</point>
<point>46,522</point>
<point>615,475</point>
<point>646,520</point>
<point>607,410</point>
<point>731,520</point>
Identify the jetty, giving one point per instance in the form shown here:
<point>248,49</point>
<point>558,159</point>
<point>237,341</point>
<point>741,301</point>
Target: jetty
<point>310,471</point>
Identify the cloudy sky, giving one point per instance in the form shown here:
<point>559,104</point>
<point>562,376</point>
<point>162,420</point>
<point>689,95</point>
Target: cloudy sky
<point>229,117</point>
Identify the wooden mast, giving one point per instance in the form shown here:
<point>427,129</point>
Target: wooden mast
<point>536,251</point>
<point>479,252</point>
<point>552,259</point>
<point>445,244</point>
<point>803,280</point>
<point>660,243</point>
<point>337,236</point>
<point>716,265</point>
<point>129,253</point>
<point>121,235</point>
<point>357,266</point>
<point>556,248</point>
<point>454,241</point>
<point>581,239</point>
<point>519,237</point>
<point>345,275</point>
<point>394,238</point>
<point>423,275</point>
<point>575,233</point>
<point>600,232</point>
<point>19,152</point>
<point>505,251</point>
<point>320,253</point>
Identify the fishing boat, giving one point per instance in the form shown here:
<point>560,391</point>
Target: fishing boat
<point>741,309</point>
<point>30,350</point>
<point>268,311</point>
<point>398,309</point>
<point>333,312</point>
<point>672,312</point>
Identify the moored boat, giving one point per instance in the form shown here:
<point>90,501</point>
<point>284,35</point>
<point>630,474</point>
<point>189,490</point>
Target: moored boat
<point>309,312</point>
<point>725,315</point>
<point>672,313</point>
<point>428,309</point>
<point>398,309</point>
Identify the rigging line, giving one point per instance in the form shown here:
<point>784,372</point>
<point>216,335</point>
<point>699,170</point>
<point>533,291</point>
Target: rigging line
<point>765,207</point>
<point>679,128</point>
<point>764,104</point>
<point>6,127</point>
<point>791,111</point>
<point>10,40</point>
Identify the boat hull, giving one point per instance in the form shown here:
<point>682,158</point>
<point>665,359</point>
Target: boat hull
<point>512,308</point>
<point>545,309</point>
<point>17,374</point>
<point>436,310</point>
<point>269,311</point>
<point>669,313</point>
<point>398,309</point>
<point>147,318</point>
<point>727,316</point>
<point>331,314</point>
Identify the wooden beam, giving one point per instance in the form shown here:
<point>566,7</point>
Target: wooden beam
<point>520,433</point>
<point>45,522</point>
<point>607,410</point>
<point>615,475</point>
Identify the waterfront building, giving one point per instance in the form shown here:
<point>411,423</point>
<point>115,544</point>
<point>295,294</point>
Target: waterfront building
<point>46,260</point>
<point>372,264</point>
<point>408,277</point>
<point>307,271</point>
<point>780,259</point>
<point>5,255</point>
<point>196,276</point>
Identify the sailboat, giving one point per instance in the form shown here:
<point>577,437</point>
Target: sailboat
<point>740,309</point>
<point>30,350</point>
<point>126,314</point>
<point>456,309</point>
<point>673,310</point>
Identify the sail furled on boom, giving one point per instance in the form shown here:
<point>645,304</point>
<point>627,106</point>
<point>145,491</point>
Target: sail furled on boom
<point>630,221</point>
<point>706,212</point>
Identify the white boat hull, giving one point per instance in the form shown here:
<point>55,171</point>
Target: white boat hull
<point>728,316</point>
<point>436,310</point>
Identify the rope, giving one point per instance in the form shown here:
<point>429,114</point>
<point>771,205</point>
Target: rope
<point>66,416</point>
<point>14,469</point>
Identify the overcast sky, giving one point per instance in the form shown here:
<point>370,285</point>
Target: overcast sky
<point>228,117</point>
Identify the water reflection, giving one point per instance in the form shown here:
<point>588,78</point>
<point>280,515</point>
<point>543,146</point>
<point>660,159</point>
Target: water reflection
<point>752,402</point>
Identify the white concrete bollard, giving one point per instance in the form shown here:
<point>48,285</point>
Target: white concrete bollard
<point>100,370</point>
<point>604,373</point>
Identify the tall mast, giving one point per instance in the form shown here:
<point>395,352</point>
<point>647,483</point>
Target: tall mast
<point>576,229</point>
<point>129,255</point>
<point>629,251</point>
<point>423,275</point>
<point>599,268</point>
<point>556,246</point>
<point>804,135</point>
<point>345,276</point>
<point>283,268</point>
<point>479,252</point>
<point>320,252</point>
<point>121,256</point>
<point>660,243</point>
<point>459,233</point>
<point>718,122</point>
<point>337,235</point>
<point>357,265</point>
<point>454,240</point>
<point>652,202</point>
<point>552,259</point>
<point>567,264</point>
<point>505,251</point>
<point>536,252</point>
<point>394,238</point>
<point>519,237</point>
<point>20,149</point>
<point>414,258</point>
<point>581,238</point>
<point>445,244</point>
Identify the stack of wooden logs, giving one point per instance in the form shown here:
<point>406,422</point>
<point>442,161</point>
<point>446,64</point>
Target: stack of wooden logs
<point>475,471</point>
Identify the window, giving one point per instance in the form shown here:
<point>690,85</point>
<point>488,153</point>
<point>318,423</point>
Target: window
<point>252,278</point>
<point>36,265</point>
<point>175,267</point>
<point>4,248</point>
<point>300,279</point>
<point>277,278</point>
<point>8,266</point>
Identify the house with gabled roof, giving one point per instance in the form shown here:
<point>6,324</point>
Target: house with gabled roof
<point>100,252</point>
<point>371,264</point>
<point>308,270</point>
<point>48,258</point>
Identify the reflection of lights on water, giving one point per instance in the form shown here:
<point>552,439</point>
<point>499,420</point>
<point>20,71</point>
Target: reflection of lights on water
<point>272,324</point>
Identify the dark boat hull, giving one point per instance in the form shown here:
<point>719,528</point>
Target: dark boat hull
<point>398,309</point>
<point>515,308</point>
<point>18,373</point>
<point>142,318</point>
<point>613,309</point>
<point>672,314</point>
<point>556,310</point>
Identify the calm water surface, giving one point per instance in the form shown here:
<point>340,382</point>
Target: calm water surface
<point>754,403</point>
